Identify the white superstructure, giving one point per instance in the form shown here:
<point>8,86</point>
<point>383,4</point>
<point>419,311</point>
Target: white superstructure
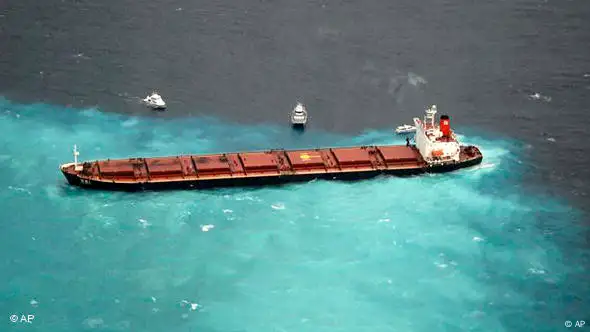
<point>437,143</point>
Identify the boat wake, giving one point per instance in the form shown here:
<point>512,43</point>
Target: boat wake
<point>484,166</point>
<point>540,97</point>
<point>132,99</point>
<point>416,80</point>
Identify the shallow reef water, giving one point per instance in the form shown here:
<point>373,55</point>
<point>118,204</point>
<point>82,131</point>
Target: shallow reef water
<point>472,250</point>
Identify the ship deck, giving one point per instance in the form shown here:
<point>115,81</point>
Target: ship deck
<point>272,163</point>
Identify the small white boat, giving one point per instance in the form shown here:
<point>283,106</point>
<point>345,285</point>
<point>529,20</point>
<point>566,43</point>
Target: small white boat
<point>299,115</point>
<point>405,129</point>
<point>155,101</point>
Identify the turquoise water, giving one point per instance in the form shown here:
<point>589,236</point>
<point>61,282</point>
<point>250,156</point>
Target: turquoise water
<point>473,250</point>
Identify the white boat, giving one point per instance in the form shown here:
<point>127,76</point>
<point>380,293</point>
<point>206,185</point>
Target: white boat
<point>299,115</point>
<point>405,129</point>
<point>155,101</point>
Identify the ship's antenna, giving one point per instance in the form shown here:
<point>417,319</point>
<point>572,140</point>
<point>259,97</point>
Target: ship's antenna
<point>76,154</point>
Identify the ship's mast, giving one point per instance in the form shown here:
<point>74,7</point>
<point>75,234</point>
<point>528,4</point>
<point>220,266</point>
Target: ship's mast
<point>429,117</point>
<point>76,154</point>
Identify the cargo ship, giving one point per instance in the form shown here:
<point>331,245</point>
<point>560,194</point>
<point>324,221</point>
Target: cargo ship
<point>436,149</point>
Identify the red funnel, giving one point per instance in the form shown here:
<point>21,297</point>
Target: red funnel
<point>445,125</point>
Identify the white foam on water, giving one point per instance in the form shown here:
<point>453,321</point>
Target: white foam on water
<point>539,96</point>
<point>415,79</point>
<point>91,112</point>
<point>130,122</point>
<point>206,228</point>
<point>93,323</point>
<point>278,206</point>
<point>144,223</point>
<point>190,305</point>
<point>22,190</point>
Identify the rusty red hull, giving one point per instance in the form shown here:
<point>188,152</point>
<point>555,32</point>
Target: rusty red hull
<point>258,168</point>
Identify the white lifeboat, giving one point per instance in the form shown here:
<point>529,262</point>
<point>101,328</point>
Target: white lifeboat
<point>405,129</point>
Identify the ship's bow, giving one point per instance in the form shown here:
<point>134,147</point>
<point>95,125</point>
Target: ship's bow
<point>70,173</point>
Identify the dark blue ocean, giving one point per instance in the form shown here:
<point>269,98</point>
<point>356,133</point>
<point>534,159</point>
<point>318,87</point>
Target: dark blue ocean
<point>502,246</point>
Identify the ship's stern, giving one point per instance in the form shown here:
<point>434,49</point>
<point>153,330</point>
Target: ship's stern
<point>471,155</point>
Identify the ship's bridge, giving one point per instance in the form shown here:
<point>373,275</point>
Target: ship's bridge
<point>436,142</point>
